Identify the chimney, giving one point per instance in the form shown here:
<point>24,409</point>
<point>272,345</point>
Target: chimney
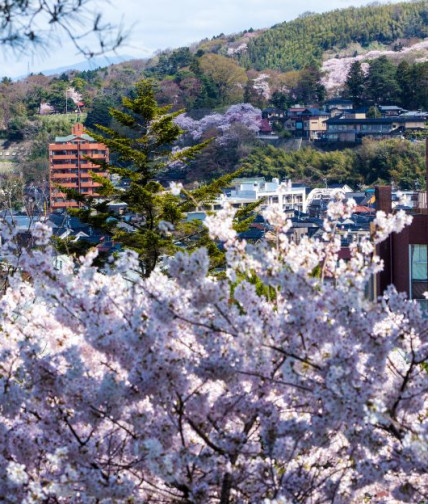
<point>426,173</point>
<point>384,249</point>
<point>383,198</point>
<point>77,129</point>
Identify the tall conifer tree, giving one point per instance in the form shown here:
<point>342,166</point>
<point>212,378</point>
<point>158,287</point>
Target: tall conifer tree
<point>142,144</point>
<point>355,83</point>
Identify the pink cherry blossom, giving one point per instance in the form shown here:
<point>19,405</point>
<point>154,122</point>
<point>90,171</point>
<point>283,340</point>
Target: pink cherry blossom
<point>276,381</point>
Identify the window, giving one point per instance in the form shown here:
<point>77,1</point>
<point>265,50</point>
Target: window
<point>418,271</point>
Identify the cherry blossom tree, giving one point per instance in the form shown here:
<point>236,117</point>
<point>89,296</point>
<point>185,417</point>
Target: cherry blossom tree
<point>222,125</point>
<point>278,382</point>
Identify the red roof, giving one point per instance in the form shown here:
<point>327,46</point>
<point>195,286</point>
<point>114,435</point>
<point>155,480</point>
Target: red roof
<point>363,209</point>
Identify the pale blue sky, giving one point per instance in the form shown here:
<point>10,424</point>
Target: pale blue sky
<point>162,24</point>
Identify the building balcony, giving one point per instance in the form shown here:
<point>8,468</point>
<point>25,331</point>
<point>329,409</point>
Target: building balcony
<point>63,176</point>
<point>90,146</point>
<point>88,165</point>
<point>69,185</point>
<point>62,165</point>
<point>63,147</point>
<point>58,157</point>
<point>89,184</point>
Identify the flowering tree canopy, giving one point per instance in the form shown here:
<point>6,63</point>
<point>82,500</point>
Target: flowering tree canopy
<point>243,113</point>
<point>279,382</point>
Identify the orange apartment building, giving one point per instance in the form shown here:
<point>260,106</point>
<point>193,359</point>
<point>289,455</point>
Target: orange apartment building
<point>69,168</point>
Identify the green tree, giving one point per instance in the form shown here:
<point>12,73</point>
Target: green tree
<point>227,75</point>
<point>382,86</point>
<point>355,84</point>
<point>420,75</point>
<point>99,113</point>
<point>141,142</point>
<point>404,76</point>
<point>373,113</point>
<point>309,88</point>
<point>280,100</point>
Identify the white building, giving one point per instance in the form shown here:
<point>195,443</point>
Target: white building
<point>250,190</point>
<point>327,193</point>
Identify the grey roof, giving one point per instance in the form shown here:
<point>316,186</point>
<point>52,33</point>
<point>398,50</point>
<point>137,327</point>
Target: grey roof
<point>415,113</point>
<point>380,120</point>
<point>70,138</point>
<point>390,107</point>
<point>252,234</point>
<point>315,112</point>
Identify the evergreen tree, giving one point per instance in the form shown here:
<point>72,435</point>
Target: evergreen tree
<point>382,86</point>
<point>404,77</point>
<point>99,113</point>
<point>420,76</point>
<point>309,89</point>
<point>354,84</point>
<point>373,113</point>
<point>142,147</point>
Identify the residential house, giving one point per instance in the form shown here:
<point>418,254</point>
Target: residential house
<point>318,198</point>
<point>273,114</point>
<point>249,190</point>
<point>344,129</point>
<point>309,123</point>
<point>391,110</point>
<point>337,105</point>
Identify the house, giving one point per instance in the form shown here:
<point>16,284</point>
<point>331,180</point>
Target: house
<point>65,226</point>
<point>70,167</point>
<point>391,110</point>
<point>250,190</point>
<point>405,254</point>
<point>319,198</point>
<point>307,123</point>
<point>273,114</point>
<point>344,129</point>
<point>337,104</point>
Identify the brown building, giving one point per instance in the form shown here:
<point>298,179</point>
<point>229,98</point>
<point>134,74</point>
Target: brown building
<point>308,123</point>
<point>69,166</point>
<point>405,254</point>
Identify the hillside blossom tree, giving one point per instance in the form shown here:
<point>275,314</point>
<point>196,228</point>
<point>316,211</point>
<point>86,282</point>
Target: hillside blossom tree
<point>222,124</point>
<point>276,383</point>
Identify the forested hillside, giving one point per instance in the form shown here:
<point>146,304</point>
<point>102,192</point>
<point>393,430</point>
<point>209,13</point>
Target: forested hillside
<point>294,45</point>
<point>374,162</point>
<point>278,67</point>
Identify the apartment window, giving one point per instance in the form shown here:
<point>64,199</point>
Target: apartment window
<point>418,271</point>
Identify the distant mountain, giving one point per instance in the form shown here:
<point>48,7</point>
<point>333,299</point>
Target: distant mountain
<point>92,64</point>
